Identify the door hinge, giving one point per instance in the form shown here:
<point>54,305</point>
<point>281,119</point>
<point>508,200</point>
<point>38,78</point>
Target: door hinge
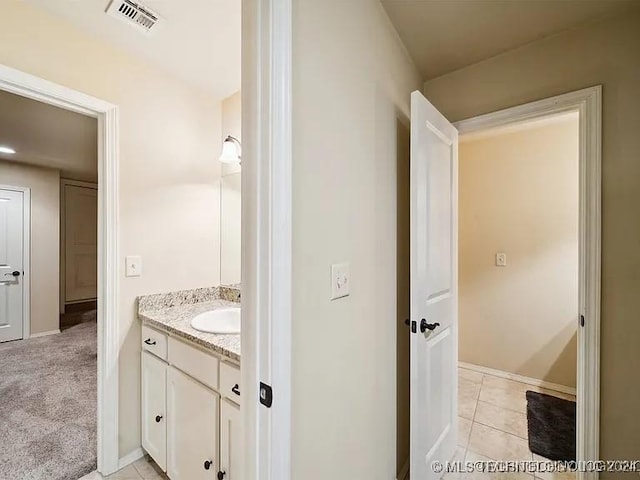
<point>266,395</point>
<point>582,320</point>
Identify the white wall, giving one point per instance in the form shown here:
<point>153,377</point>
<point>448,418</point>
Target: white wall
<point>169,174</point>
<point>45,240</point>
<point>518,194</point>
<point>351,86</point>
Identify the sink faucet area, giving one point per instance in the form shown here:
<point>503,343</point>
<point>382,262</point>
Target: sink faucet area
<point>220,321</point>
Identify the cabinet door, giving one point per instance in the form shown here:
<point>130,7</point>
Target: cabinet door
<point>154,423</point>
<point>192,429</point>
<point>230,441</point>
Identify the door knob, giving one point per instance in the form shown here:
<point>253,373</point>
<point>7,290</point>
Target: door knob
<point>424,326</point>
<point>158,418</point>
<point>207,464</point>
<point>221,475</point>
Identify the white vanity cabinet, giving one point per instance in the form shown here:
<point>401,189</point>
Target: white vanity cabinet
<point>192,428</point>
<point>230,440</point>
<point>190,410</point>
<point>154,401</point>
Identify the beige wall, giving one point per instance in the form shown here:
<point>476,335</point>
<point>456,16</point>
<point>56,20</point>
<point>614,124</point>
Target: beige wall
<point>169,173</point>
<point>350,93</point>
<point>231,208</point>
<point>45,240</point>
<point>603,53</point>
<point>518,194</point>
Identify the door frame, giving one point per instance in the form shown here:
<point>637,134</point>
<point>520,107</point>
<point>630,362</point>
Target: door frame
<point>588,103</point>
<point>26,256</point>
<point>267,235</point>
<point>35,88</point>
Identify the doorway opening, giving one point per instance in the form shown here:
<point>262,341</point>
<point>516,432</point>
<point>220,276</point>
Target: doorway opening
<point>48,326</point>
<point>518,290</point>
<point>434,181</point>
<point>105,377</point>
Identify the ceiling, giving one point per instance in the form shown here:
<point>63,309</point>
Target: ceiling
<point>443,36</point>
<point>198,41</point>
<point>48,136</point>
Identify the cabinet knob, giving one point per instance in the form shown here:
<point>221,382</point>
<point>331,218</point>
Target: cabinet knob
<point>221,475</point>
<point>207,464</point>
<point>236,389</point>
<point>158,418</point>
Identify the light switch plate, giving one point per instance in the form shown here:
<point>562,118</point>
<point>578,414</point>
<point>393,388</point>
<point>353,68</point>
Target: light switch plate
<point>133,266</point>
<point>339,280</point>
<point>501,259</point>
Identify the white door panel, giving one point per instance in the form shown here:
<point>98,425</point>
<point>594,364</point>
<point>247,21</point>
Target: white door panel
<point>81,243</point>
<point>192,429</point>
<point>154,411</point>
<point>434,351</point>
<point>230,441</point>
<point>11,260</point>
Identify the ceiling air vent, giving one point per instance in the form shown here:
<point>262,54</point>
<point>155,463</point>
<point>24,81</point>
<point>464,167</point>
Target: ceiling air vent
<point>135,14</point>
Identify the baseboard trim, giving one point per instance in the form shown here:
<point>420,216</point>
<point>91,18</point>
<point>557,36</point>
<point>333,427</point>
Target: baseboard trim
<point>128,459</point>
<point>404,472</point>
<point>534,382</point>
<point>44,334</point>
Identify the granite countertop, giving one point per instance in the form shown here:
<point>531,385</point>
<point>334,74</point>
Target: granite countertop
<point>172,313</point>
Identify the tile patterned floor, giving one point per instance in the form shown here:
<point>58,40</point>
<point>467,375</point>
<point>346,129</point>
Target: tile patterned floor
<point>492,422</point>
<point>143,469</point>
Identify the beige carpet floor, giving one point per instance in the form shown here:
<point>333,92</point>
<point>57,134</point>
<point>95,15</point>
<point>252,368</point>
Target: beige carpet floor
<point>48,403</point>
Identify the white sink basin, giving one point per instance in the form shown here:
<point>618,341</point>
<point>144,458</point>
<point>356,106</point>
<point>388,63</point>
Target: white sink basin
<point>222,321</point>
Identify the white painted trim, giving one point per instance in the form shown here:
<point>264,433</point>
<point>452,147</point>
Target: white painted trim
<point>588,102</point>
<point>29,86</point>
<point>266,235</point>
<point>45,334</point>
<point>520,126</point>
<point>78,183</point>
<point>132,457</point>
<point>26,257</point>
<point>534,382</point>
<point>404,472</point>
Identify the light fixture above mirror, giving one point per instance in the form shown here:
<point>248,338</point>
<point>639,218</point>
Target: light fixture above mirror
<point>230,150</point>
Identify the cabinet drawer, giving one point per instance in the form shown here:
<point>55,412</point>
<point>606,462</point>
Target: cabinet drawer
<point>154,341</point>
<point>230,382</point>
<point>194,362</point>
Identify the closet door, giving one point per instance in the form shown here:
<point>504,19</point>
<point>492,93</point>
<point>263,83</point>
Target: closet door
<point>80,243</point>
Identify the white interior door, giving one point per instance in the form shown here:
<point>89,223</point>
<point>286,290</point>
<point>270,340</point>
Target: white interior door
<point>11,264</point>
<point>80,243</point>
<point>434,295</point>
